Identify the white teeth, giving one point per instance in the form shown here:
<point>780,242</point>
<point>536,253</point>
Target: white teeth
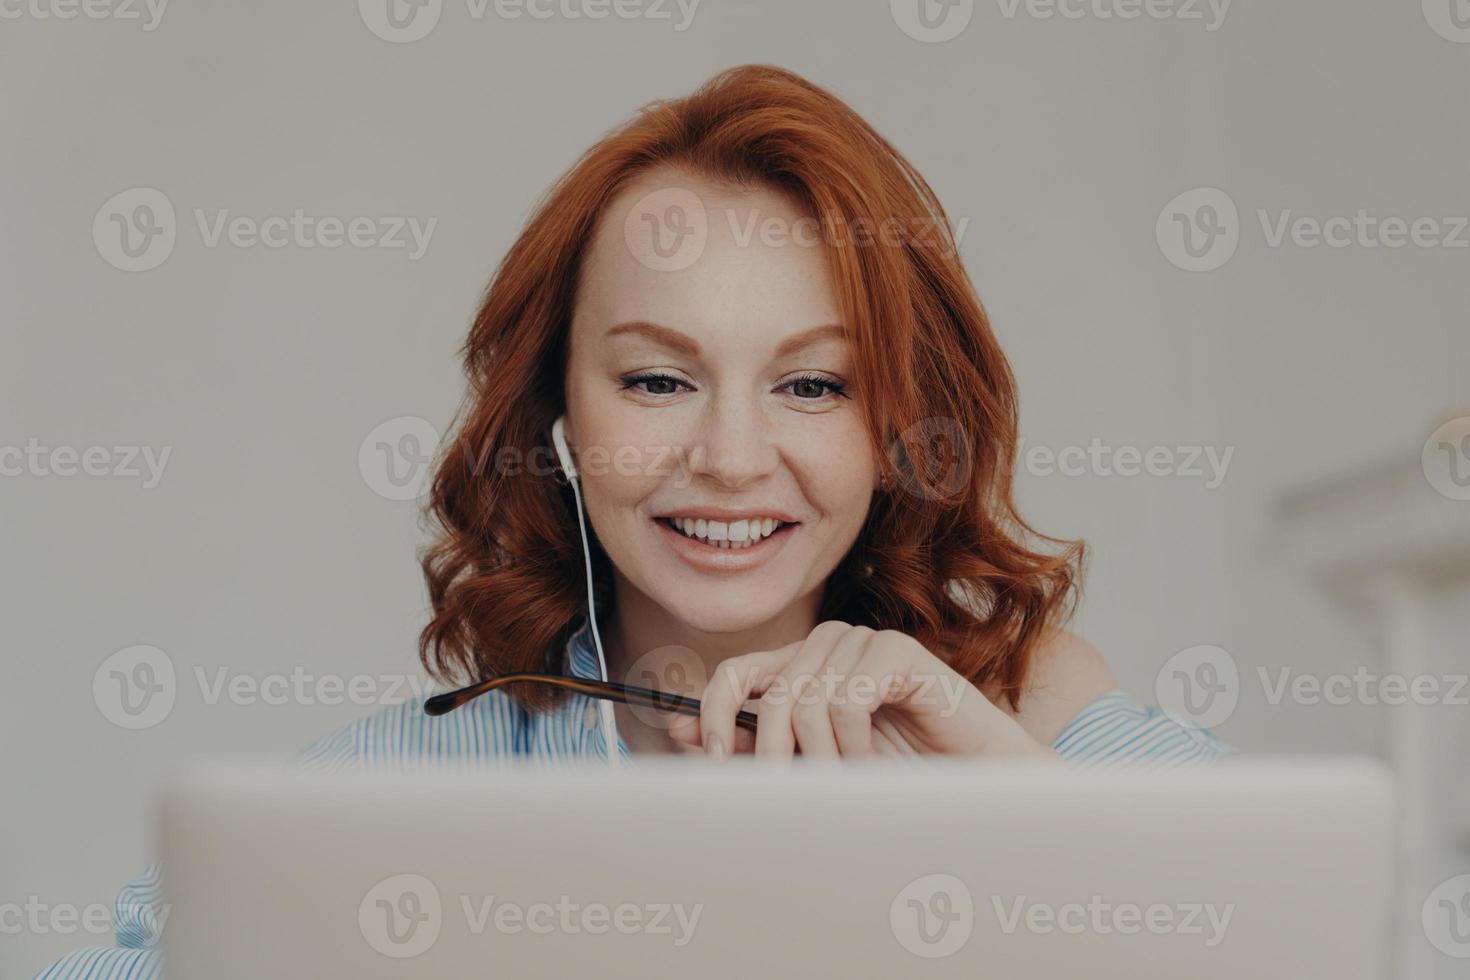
<point>734,535</point>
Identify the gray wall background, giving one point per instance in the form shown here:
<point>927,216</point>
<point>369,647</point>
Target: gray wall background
<point>1060,141</point>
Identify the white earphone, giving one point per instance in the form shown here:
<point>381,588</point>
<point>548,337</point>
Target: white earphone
<point>564,456</point>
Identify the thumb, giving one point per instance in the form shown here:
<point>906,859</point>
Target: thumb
<point>685,730</point>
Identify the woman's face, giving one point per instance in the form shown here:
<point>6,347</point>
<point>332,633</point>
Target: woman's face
<point>708,381</point>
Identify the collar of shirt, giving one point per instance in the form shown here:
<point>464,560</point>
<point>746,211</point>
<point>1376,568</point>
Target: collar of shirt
<point>579,718</point>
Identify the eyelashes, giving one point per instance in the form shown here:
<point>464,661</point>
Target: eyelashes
<point>830,386</point>
<point>835,387</point>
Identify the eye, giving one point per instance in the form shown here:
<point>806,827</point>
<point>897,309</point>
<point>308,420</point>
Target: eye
<point>663,384</point>
<point>806,387</point>
<point>813,387</point>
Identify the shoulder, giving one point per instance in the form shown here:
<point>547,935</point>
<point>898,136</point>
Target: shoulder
<point>1066,675</point>
<point>489,727</point>
<point>1072,702</point>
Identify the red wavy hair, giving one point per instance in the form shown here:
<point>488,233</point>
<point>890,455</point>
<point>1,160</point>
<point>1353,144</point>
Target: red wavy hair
<point>943,556</point>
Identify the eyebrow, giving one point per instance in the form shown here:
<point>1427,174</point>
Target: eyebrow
<point>684,344</point>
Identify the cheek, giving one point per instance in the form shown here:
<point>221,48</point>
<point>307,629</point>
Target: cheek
<point>616,481</point>
<point>623,445</point>
<point>841,474</point>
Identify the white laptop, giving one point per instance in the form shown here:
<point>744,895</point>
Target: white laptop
<point>1247,870</point>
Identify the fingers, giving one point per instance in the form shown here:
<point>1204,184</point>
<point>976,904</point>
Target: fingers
<point>878,676</point>
<point>775,736</point>
<point>814,716</point>
<point>732,685</point>
<point>820,696</point>
<point>686,729</point>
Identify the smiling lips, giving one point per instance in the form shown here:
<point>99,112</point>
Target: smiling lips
<point>727,534</point>
<point>725,545</point>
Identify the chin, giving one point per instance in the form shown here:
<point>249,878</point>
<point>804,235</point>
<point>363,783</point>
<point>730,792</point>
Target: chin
<point>716,609</point>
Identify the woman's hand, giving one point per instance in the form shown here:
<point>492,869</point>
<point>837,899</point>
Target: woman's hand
<point>853,692</point>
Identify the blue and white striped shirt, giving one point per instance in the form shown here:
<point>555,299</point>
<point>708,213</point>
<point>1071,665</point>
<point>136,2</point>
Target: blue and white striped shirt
<point>1112,729</point>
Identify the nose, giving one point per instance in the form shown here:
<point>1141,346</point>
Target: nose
<point>733,448</point>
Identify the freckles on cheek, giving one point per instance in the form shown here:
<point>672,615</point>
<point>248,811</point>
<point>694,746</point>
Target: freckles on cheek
<point>629,468</point>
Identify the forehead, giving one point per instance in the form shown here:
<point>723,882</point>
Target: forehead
<point>730,267</point>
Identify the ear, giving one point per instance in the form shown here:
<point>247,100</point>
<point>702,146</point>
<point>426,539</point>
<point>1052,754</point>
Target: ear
<point>563,447</point>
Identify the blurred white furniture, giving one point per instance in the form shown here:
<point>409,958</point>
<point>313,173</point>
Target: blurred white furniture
<point>1396,550</point>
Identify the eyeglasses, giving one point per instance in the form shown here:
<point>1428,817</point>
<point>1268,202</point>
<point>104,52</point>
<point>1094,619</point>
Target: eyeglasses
<point>441,704</point>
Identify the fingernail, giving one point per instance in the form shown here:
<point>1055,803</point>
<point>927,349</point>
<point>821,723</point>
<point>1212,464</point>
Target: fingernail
<point>714,747</point>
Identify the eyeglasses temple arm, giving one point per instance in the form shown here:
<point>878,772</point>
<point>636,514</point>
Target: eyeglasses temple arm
<point>441,704</point>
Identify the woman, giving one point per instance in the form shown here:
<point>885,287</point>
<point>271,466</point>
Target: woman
<point>794,433</point>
